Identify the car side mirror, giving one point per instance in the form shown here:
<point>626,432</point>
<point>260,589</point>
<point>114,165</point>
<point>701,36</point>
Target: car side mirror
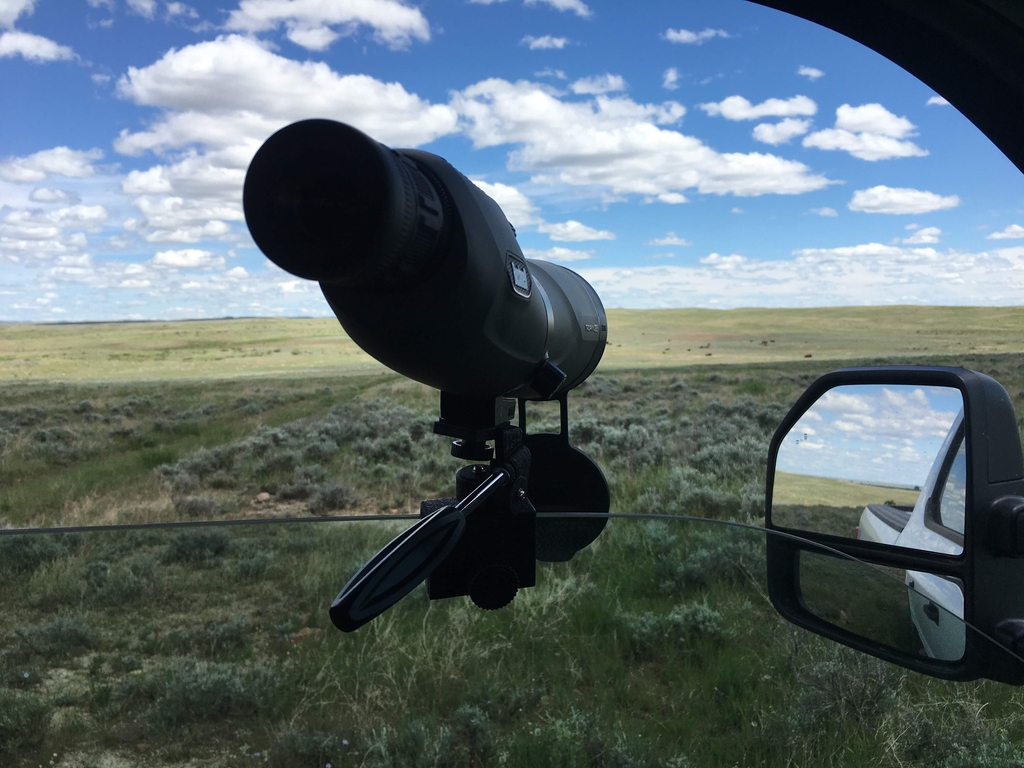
<point>918,472</point>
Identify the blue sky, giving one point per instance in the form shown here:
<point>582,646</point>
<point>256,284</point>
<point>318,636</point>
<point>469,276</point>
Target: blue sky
<point>705,153</point>
<point>877,434</point>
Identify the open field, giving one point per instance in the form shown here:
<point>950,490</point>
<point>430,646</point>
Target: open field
<point>656,646</point>
<point>637,339</point>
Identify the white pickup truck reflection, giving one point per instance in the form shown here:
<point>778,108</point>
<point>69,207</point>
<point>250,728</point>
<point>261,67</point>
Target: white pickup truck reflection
<point>936,524</point>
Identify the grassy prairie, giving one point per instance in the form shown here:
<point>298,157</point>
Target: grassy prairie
<point>791,488</point>
<point>637,339</point>
<point>657,646</point>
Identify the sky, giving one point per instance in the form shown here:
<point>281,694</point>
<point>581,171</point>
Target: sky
<point>872,433</point>
<point>709,153</point>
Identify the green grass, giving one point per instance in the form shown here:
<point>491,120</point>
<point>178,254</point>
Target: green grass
<point>261,347</point>
<point>656,646</point>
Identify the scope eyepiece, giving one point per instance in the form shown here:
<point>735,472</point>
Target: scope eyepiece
<point>326,202</point>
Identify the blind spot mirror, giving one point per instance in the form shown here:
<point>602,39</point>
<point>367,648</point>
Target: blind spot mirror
<point>878,462</point>
<point>920,614</point>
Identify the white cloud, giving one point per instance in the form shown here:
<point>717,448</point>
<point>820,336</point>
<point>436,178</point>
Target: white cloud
<point>232,91</point>
<point>60,161</point>
<point>868,274</point>
<point>824,211</point>
<point>670,79</point>
<point>32,236</point>
<point>544,43</point>
<point>924,236</point>
<point>557,254</point>
<point>45,195</point>
<point>1012,232</point>
<point>781,132</point>
<point>314,24</point>
<point>32,47</point>
<point>99,79</point>
<point>575,6</point>
<point>811,73</point>
<point>936,101</point>
<point>616,144</point>
<point>899,200</point>
<point>868,132</point>
<point>573,232</point>
<point>145,8</point>
<point>718,261</point>
<point>517,207</point>
<point>189,258</point>
<point>220,100</point>
<point>670,238</point>
<point>693,38</point>
<point>738,108</point>
<point>549,72</point>
<point>176,9</point>
<point>599,84</point>
<point>10,10</point>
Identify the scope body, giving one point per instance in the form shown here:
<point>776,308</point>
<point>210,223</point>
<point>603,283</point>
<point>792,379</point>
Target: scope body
<point>420,266</point>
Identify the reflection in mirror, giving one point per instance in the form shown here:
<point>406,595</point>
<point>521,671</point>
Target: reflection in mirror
<point>884,463</point>
<point>912,612</point>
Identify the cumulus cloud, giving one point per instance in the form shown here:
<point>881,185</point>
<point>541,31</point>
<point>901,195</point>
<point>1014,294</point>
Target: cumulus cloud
<point>811,73</point>
<point>781,132</point>
<point>220,100</point>
<point>10,10</point>
<point>738,108</point>
<point>189,258</point>
<point>1012,232</point>
<point>693,38</point>
<point>32,47</point>
<point>936,101</point>
<point>866,274</point>
<point>670,238</point>
<point>824,211</point>
<point>45,195</point>
<point>544,43</point>
<point>517,207</point>
<point>60,161</point>
<point>599,84</point>
<point>557,254</point>
<point>616,144</point>
<point>145,8</point>
<point>573,232</point>
<point>924,236</point>
<point>670,79</point>
<point>900,200</point>
<point>868,132</point>
<point>314,25</point>
<point>573,6</point>
<point>32,236</point>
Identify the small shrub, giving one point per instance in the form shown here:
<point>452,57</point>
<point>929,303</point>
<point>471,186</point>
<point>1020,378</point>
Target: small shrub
<point>61,638</point>
<point>846,686</point>
<point>196,546</point>
<point>212,638</point>
<point>696,621</point>
<point>332,496</point>
<point>191,691</point>
<point>253,566</point>
<point>24,554</point>
<point>23,720</point>
<point>196,506</point>
<point>307,750</point>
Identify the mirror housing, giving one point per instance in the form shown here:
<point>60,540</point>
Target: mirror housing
<point>990,570</point>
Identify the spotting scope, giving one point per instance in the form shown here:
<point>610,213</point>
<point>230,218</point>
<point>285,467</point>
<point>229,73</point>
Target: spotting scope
<point>425,274</point>
<point>420,266</point>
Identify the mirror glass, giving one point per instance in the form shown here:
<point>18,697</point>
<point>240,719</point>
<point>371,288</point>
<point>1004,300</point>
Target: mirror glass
<point>881,462</point>
<point>917,613</point>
